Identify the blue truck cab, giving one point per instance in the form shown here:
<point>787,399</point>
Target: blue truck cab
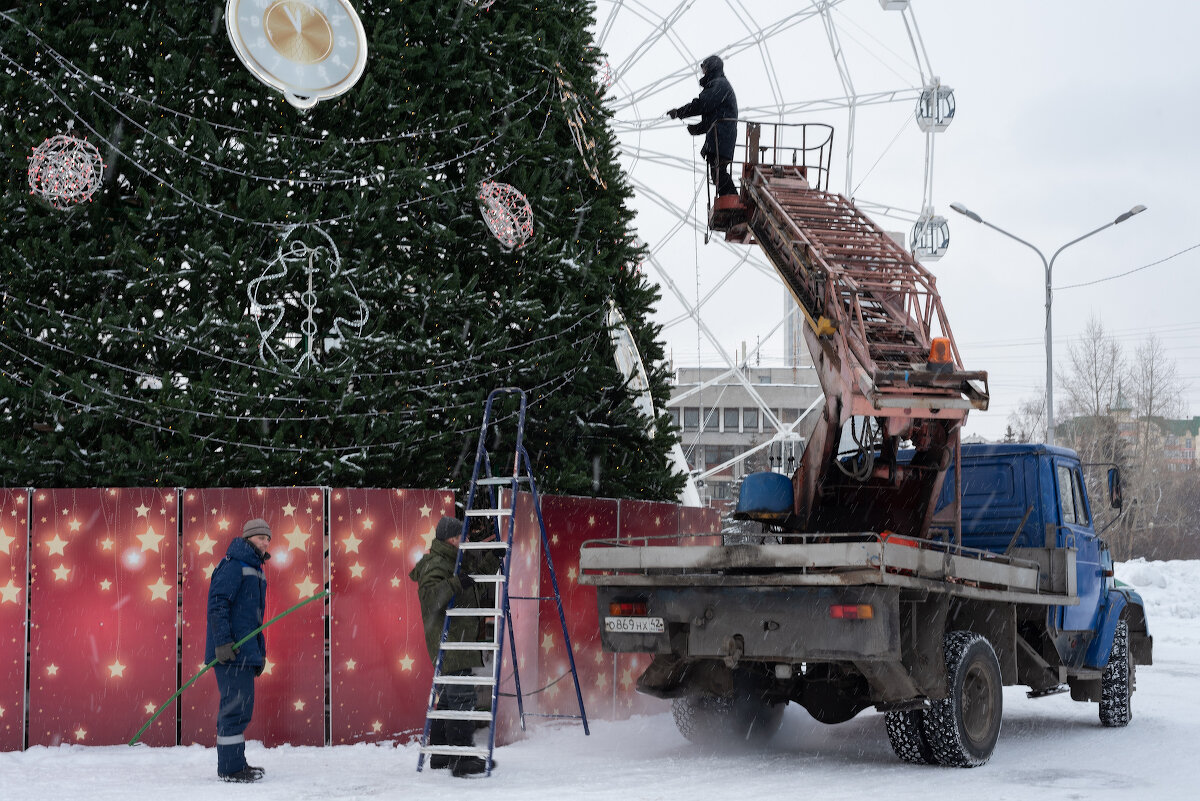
<point>1022,498</point>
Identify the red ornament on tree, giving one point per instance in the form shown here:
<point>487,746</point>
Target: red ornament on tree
<point>64,170</point>
<point>507,213</point>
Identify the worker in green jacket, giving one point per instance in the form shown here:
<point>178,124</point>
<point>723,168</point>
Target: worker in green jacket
<point>436,586</point>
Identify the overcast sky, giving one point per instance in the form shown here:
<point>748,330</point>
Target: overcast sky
<point>1067,114</point>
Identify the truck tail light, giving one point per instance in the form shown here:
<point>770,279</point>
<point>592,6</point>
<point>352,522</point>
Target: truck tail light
<point>851,612</point>
<point>627,609</point>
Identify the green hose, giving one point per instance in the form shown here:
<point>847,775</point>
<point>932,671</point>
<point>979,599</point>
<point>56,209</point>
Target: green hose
<point>204,669</point>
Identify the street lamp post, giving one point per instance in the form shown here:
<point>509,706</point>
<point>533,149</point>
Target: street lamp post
<point>1049,267</point>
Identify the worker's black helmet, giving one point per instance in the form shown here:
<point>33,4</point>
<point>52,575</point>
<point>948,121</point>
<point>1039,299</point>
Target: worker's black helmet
<point>711,64</point>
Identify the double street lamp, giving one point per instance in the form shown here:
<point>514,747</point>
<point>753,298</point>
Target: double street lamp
<point>1049,266</point>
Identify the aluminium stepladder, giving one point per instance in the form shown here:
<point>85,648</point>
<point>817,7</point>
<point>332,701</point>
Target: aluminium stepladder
<point>503,523</point>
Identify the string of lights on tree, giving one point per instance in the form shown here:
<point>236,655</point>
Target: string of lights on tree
<point>579,122</point>
<point>453,365</point>
<point>536,394</point>
<point>582,344</point>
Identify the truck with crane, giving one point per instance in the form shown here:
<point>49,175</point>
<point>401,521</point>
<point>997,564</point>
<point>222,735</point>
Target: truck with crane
<point>898,568</point>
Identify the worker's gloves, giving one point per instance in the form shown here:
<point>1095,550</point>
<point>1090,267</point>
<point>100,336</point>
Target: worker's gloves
<point>696,128</point>
<point>673,113</point>
<point>225,653</point>
<point>466,581</point>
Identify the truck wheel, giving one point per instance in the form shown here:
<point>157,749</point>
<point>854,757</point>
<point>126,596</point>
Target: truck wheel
<point>906,734</point>
<point>712,720</point>
<point>1116,684</point>
<point>962,728</point>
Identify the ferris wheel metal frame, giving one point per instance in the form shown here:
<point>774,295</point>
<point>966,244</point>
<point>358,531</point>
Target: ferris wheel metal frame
<point>641,77</point>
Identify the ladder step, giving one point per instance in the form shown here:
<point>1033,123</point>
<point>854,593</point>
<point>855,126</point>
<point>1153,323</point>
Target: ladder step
<point>499,481</point>
<point>489,512</point>
<point>494,578</point>
<point>469,681</point>
<point>449,714</point>
<point>483,546</point>
<point>473,612</point>
<point>470,646</point>
<point>456,750</point>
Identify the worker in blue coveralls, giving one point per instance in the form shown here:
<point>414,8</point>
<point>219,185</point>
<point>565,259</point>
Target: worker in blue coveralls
<point>236,600</point>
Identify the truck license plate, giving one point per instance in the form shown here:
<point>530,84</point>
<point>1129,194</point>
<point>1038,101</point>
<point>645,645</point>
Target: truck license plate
<point>634,625</point>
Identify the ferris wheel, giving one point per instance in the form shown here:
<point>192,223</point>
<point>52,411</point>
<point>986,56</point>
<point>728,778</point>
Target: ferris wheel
<point>858,65</point>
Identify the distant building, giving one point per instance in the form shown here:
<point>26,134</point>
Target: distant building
<point>735,421</point>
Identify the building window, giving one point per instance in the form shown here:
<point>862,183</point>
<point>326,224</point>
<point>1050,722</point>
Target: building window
<point>731,419</point>
<point>765,378</point>
<point>750,419</point>
<point>710,420</point>
<point>724,454</point>
<point>674,415</point>
<point>691,418</point>
<point>791,415</point>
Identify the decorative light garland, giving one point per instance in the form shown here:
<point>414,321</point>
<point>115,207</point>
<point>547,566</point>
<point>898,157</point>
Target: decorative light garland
<point>507,213</point>
<point>64,171</point>
<point>578,121</point>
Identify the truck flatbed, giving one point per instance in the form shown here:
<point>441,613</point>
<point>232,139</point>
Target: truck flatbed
<point>1043,576</point>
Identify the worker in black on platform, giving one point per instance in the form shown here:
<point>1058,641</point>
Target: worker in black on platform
<point>716,101</point>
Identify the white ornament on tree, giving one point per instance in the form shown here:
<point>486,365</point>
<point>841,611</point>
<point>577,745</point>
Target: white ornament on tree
<point>298,308</point>
<point>64,171</point>
<point>507,214</point>
<point>578,121</point>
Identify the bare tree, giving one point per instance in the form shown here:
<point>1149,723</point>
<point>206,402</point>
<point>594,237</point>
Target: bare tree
<point>1096,365</point>
<point>1157,392</point>
<point>1028,422</point>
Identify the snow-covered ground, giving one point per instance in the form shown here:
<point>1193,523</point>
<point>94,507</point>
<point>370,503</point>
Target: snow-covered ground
<point>1051,748</point>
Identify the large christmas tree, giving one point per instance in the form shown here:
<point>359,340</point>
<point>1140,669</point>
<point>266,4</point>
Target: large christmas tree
<point>257,295</point>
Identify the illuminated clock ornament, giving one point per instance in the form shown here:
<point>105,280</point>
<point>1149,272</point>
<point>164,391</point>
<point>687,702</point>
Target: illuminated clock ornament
<point>310,50</point>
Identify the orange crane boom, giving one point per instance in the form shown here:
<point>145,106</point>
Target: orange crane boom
<point>875,328</point>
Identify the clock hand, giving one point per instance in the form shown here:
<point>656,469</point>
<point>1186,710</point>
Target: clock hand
<point>293,14</point>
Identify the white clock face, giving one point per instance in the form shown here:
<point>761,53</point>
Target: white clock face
<point>310,50</point>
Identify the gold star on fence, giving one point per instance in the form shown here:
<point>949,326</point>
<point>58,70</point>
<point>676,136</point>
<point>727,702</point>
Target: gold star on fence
<point>296,538</point>
<point>547,642</point>
<point>116,670</point>
<point>351,543</point>
<point>406,662</point>
<point>208,571</point>
<point>150,707</point>
<point>56,545</point>
<point>268,667</point>
<point>351,664</point>
<point>150,539</point>
<point>223,524</point>
<point>5,541</point>
<point>298,706</point>
<point>52,669</point>
<point>80,733</point>
<point>356,570</point>
<point>205,544</point>
<point>9,593</point>
<point>592,520</point>
<point>368,524</point>
<point>601,681</point>
<point>106,585</point>
<point>377,727</point>
<point>61,573</point>
<point>626,678</point>
<point>158,590</point>
<point>571,573</point>
<point>306,587</point>
<point>74,525</point>
<point>141,509</point>
<point>288,510</point>
<point>107,544</point>
<point>397,542</point>
<point>427,538</point>
<point>395,581</point>
<point>425,510</point>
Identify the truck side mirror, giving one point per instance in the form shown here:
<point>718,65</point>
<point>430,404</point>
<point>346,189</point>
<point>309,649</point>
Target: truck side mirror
<point>1114,488</point>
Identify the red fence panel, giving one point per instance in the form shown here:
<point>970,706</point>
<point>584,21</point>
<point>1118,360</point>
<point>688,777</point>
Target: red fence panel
<point>103,613</point>
<point>570,521</point>
<point>379,666</point>
<point>14,571</point>
<point>289,705</point>
<point>524,585</point>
